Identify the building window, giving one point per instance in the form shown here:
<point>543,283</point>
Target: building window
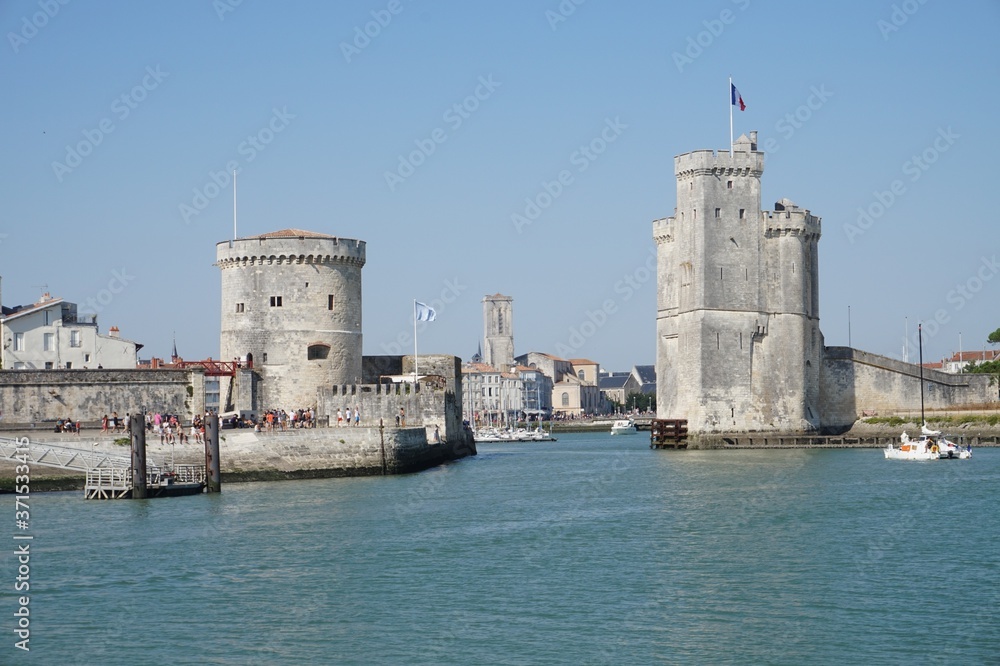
<point>729,184</point>
<point>276,301</point>
<point>74,338</point>
<point>46,315</point>
<point>318,352</point>
<point>263,357</point>
<point>48,342</point>
<point>239,307</point>
<point>48,365</point>
<point>19,342</point>
<point>86,358</point>
<point>565,399</point>
<point>742,213</point>
<point>718,213</point>
<point>329,302</point>
<point>695,214</point>
<point>580,374</point>
<point>69,365</point>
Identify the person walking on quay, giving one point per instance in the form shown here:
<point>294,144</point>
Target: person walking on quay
<point>357,415</point>
<point>104,424</point>
<point>402,417</point>
<point>340,418</point>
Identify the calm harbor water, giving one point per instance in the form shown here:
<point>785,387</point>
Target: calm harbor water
<point>590,550</point>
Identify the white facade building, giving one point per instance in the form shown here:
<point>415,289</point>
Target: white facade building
<point>49,335</point>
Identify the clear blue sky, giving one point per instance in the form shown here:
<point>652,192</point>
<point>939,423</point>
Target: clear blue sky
<point>198,81</point>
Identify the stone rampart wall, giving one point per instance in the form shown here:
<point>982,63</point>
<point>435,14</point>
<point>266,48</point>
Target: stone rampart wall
<point>40,396</point>
<point>358,451</point>
<point>855,382</point>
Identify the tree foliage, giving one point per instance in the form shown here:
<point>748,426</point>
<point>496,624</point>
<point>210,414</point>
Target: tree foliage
<point>994,337</point>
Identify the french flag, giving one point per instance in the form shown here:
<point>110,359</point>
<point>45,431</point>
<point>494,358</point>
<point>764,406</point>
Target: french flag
<point>737,98</point>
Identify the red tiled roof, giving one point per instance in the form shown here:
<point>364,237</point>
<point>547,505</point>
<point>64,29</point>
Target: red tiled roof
<point>982,355</point>
<point>291,233</point>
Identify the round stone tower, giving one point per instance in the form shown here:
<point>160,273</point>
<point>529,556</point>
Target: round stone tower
<point>291,308</point>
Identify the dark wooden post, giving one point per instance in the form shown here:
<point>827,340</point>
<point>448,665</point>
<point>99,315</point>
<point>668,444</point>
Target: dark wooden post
<point>213,470</point>
<point>137,429</point>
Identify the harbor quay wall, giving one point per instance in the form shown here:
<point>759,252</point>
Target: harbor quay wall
<point>326,452</point>
<point>42,396</point>
<point>855,382</point>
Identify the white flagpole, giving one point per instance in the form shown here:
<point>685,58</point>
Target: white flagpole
<point>234,204</point>
<point>730,116</point>
<point>414,341</point>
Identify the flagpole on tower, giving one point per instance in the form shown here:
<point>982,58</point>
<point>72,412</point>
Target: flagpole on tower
<point>730,115</point>
<point>234,201</point>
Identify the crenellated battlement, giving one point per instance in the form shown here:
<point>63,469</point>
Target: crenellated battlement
<point>288,248</point>
<point>719,163</point>
<point>272,259</point>
<point>663,230</point>
<point>787,219</point>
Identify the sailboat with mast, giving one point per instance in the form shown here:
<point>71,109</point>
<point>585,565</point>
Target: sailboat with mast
<point>931,444</point>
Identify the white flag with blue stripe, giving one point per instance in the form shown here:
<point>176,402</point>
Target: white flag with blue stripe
<point>425,312</point>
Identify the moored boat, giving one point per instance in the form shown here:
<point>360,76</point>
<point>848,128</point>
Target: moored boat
<point>931,445</point>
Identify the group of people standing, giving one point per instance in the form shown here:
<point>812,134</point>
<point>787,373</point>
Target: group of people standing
<point>280,419</point>
<point>345,415</point>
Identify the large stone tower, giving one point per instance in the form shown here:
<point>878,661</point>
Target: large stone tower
<point>498,327</point>
<point>291,306</point>
<point>738,341</point>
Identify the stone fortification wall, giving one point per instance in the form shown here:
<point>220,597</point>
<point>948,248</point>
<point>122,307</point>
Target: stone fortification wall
<point>334,451</point>
<point>39,396</point>
<point>432,404</point>
<point>854,381</point>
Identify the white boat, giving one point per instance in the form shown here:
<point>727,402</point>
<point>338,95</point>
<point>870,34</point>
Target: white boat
<point>931,445</point>
<point>623,427</point>
<point>488,435</point>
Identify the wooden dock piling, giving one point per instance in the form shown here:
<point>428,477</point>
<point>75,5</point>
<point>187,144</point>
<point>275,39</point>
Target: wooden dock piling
<point>213,469</point>
<point>137,430</point>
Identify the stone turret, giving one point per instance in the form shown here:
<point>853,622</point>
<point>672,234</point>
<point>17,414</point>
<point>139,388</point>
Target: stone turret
<point>291,308</point>
<point>498,328</point>
<point>737,319</point>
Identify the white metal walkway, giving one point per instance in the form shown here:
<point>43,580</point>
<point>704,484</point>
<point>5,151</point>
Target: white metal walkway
<point>63,457</point>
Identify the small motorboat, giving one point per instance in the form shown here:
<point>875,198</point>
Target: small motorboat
<point>623,427</point>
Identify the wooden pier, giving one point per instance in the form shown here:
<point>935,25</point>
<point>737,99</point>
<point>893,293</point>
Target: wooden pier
<point>116,482</point>
<point>668,434</point>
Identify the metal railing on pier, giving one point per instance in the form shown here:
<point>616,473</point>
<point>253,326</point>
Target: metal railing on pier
<point>56,455</point>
